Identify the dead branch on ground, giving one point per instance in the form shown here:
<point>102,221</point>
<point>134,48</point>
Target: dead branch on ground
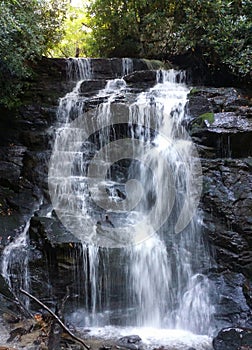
<point>79,340</point>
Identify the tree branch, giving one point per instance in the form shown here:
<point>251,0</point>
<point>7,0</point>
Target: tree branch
<point>79,340</point>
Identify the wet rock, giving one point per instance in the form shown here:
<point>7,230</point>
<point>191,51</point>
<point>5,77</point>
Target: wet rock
<point>105,347</point>
<point>218,98</point>
<point>132,339</point>
<point>229,122</point>
<point>106,68</point>
<point>55,258</point>
<point>113,67</point>
<point>51,230</point>
<point>142,79</point>
<point>247,291</point>
<point>35,168</point>
<point>229,134</point>
<point>36,117</point>
<point>34,140</point>
<point>91,87</point>
<point>16,334</point>
<point>9,174</point>
<point>10,317</point>
<point>132,342</point>
<point>11,161</point>
<point>228,203</point>
<point>233,339</point>
<point>7,293</point>
<point>227,294</point>
<point>15,208</point>
<point>198,105</point>
<point>13,154</point>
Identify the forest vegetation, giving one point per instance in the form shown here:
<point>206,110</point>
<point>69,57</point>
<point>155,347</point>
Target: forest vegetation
<point>218,32</point>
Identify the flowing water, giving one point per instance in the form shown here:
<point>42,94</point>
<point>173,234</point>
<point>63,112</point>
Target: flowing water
<point>15,264</point>
<point>131,158</point>
<point>4,334</point>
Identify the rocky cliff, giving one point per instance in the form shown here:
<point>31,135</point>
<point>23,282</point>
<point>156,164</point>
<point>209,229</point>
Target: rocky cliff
<point>222,129</point>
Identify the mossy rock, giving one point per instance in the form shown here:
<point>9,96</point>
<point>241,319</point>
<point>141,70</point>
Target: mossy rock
<point>207,116</point>
<point>201,119</point>
<point>156,64</point>
<point>194,91</point>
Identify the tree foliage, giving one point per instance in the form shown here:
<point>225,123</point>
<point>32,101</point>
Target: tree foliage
<point>28,29</point>
<point>76,33</point>
<point>219,31</point>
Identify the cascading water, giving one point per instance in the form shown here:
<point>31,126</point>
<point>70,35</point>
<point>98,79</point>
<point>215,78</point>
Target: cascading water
<point>164,272</point>
<point>78,70</point>
<point>153,275</point>
<point>14,264</point>
<point>127,66</point>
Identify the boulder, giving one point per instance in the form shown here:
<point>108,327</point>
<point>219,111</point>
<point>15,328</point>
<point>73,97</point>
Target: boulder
<point>142,79</point>
<point>58,250</point>
<point>228,295</point>
<point>92,87</point>
<point>132,342</point>
<point>221,120</point>
<point>233,339</point>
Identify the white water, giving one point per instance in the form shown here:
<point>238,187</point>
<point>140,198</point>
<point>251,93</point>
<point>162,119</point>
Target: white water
<point>79,69</point>
<point>157,281</point>
<point>14,264</point>
<point>4,334</point>
<point>155,337</point>
<point>127,66</point>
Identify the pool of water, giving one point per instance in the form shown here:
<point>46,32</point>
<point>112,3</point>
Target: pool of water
<point>172,339</point>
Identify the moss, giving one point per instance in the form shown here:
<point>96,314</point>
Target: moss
<point>156,64</point>
<point>194,91</point>
<point>207,116</point>
<point>199,121</point>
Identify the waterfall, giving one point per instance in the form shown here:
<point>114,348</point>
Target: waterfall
<point>127,66</point>
<point>166,283</point>
<point>125,179</point>
<point>15,264</point>
<point>15,257</point>
<point>78,69</point>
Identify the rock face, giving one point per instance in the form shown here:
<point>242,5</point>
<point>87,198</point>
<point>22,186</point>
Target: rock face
<point>220,123</point>
<point>132,342</point>
<point>222,128</point>
<point>233,339</point>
